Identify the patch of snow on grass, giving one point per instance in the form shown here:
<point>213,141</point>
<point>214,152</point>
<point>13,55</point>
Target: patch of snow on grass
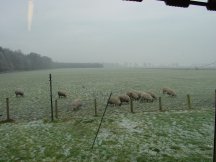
<point>129,125</point>
<point>37,124</point>
<point>66,150</point>
<point>103,135</point>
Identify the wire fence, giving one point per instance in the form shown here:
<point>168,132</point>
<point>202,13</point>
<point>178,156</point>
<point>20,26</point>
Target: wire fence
<point>30,108</point>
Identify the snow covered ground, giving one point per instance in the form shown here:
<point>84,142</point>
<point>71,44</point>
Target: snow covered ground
<point>165,136</point>
<point>177,134</point>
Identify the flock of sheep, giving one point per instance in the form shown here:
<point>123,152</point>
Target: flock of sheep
<point>117,100</point>
<point>137,95</point>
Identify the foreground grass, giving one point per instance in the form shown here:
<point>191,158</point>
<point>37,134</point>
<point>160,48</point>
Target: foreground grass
<point>167,136</point>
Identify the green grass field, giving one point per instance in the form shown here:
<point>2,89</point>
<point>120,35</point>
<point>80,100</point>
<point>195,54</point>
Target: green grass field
<point>177,134</point>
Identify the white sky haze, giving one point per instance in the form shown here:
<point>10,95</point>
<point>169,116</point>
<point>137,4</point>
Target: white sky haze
<point>109,31</point>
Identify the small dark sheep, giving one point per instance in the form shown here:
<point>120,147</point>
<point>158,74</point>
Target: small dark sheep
<point>76,104</point>
<point>19,93</point>
<point>146,97</point>
<point>115,101</point>
<point>61,94</point>
<point>153,95</point>
<point>124,98</point>
<point>169,91</point>
<point>133,95</point>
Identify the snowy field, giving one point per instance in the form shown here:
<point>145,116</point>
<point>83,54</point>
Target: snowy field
<point>177,134</point>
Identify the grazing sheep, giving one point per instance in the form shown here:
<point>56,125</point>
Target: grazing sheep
<point>115,101</point>
<point>138,93</point>
<point>133,95</point>
<point>146,97</point>
<point>124,98</point>
<point>61,94</point>
<point>19,93</point>
<point>153,95</point>
<point>169,91</point>
<point>76,104</point>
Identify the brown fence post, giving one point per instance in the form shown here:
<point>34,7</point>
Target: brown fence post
<point>51,100</point>
<point>56,109</point>
<point>131,105</point>
<point>160,104</point>
<point>189,101</point>
<point>95,106</point>
<point>7,109</point>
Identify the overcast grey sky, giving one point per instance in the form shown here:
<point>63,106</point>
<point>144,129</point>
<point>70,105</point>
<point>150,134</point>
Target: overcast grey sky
<point>110,31</point>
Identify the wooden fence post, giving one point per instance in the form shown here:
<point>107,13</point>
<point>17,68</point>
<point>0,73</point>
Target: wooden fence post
<point>7,109</point>
<point>51,101</point>
<point>131,105</point>
<point>56,109</point>
<point>160,104</point>
<point>189,101</point>
<point>95,106</point>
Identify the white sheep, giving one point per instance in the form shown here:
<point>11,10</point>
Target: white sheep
<point>146,97</point>
<point>76,104</point>
<point>19,93</point>
<point>124,98</point>
<point>152,94</point>
<point>133,95</point>
<point>62,94</point>
<point>114,100</point>
<point>169,91</point>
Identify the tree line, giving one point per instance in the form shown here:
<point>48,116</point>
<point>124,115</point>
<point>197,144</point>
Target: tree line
<point>16,61</point>
<point>77,65</point>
